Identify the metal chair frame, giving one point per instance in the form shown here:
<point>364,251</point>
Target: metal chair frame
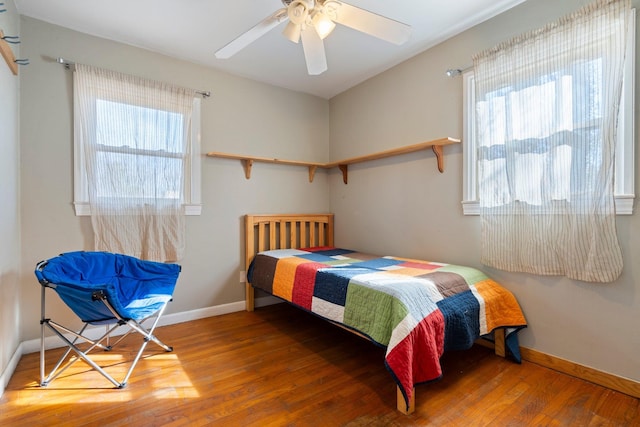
<point>75,336</point>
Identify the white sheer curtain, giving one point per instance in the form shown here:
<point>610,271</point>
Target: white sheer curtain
<point>133,135</point>
<point>547,110</point>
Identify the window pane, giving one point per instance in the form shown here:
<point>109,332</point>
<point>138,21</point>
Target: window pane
<point>575,146</point>
<point>138,177</point>
<point>549,145</point>
<point>141,170</point>
<point>587,92</point>
<point>140,128</point>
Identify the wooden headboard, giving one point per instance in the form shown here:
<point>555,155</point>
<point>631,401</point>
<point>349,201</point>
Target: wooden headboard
<point>287,231</point>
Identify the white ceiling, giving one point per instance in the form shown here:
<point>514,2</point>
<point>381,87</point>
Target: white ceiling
<point>194,29</point>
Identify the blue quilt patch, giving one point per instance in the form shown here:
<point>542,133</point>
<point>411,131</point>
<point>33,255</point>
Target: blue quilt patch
<point>332,283</point>
<point>379,263</point>
<point>462,326</point>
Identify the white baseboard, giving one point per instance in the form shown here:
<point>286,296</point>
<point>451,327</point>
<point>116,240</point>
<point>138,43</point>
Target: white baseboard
<point>95,332</point>
<point>11,367</point>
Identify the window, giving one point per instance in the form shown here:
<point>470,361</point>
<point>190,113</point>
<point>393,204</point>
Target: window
<point>559,92</point>
<point>150,136</point>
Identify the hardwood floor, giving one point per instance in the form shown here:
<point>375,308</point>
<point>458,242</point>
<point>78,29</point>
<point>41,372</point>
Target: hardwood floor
<point>279,366</point>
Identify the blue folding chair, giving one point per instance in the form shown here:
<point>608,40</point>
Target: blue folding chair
<point>109,289</point>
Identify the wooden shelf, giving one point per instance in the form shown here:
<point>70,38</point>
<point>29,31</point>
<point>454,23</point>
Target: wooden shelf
<point>343,165</point>
<point>247,162</point>
<point>7,54</point>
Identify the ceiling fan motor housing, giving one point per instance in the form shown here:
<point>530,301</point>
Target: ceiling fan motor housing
<point>299,11</point>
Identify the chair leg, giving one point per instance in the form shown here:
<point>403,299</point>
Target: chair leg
<point>56,328</point>
<point>42,320</point>
<point>56,371</point>
<point>59,329</point>
<point>148,336</point>
<point>81,355</point>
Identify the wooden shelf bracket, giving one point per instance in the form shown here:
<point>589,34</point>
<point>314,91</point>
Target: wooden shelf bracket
<point>345,173</point>
<point>437,150</point>
<point>246,165</point>
<point>312,172</point>
<point>343,165</point>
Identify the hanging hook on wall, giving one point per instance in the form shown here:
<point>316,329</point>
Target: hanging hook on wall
<point>21,61</point>
<point>2,10</point>
<point>7,54</point>
<point>11,39</point>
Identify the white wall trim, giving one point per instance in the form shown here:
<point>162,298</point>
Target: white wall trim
<point>192,172</point>
<point>623,205</point>
<point>84,209</point>
<point>10,369</point>
<point>95,332</point>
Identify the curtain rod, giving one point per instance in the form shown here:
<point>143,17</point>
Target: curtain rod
<point>68,64</point>
<point>453,72</point>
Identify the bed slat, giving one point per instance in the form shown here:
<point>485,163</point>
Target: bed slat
<point>303,234</point>
<point>272,235</point>
<point>321,233</point>
<point>312,236</point>
<point>294,234</point>
<point>283,234</point>
<point>261,239</point>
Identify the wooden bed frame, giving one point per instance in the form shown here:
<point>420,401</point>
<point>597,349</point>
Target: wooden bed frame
<point>292,231</point>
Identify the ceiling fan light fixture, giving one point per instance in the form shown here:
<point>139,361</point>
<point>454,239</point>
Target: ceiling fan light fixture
<point>323,25</point>
<point>292,32</point>
<point>322,15</point>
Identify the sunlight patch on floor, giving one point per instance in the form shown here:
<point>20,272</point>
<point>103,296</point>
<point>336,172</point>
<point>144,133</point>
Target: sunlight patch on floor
<point>82,384</point>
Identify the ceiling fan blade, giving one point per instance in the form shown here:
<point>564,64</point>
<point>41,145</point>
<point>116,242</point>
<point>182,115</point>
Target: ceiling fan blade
<point>368,22</point>
<point>313,51</point>
<point>257,31</point>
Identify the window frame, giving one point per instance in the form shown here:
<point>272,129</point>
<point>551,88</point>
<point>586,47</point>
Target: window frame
<point>624,192</point>
<point>192,192</point>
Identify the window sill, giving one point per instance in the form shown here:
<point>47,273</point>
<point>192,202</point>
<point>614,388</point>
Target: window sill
<point>83,209</point>
<point>624,205</point>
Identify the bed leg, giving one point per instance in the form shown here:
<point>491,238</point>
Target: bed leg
<point>402,405</point>
<point>498,338</point>
<point>249,297</point>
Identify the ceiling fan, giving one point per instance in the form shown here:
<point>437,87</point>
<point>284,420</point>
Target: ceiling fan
<point>313,20</point>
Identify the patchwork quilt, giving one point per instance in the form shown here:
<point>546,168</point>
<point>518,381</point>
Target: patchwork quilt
<point>416,309</point>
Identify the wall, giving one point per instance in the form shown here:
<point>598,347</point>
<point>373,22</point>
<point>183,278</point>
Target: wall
<point>241,116</point>
<point>9,203</point>
<point>403,206</point>
<point>400,205</point>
